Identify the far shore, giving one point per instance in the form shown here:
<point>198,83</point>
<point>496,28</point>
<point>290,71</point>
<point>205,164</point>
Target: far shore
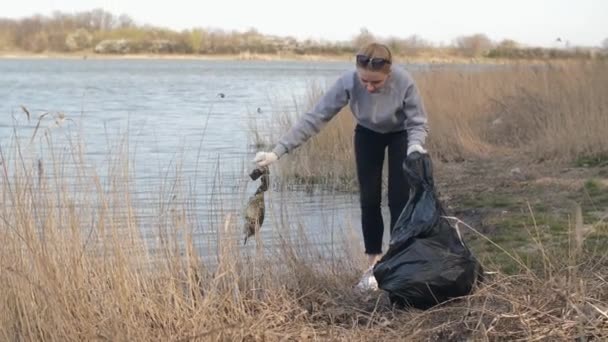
<point>246,57</point>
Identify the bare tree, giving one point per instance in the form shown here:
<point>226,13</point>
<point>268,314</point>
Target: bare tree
<point>364,37</point>
<point>411,46</point>
<point>78,40</point>
<point>101,20</point>
<point>125,21</point>
<point>7,33</point>
<point>195,39</point>
<point>508,44</point>
<point>26,31</point>
<point>474,45</point>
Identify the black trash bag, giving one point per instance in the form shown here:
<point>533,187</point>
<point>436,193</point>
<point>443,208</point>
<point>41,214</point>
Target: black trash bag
<point>427,261</point>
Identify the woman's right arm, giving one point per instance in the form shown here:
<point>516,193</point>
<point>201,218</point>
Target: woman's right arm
<point>313,121</point>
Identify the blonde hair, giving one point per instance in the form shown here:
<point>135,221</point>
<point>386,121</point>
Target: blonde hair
<point>377,50</point>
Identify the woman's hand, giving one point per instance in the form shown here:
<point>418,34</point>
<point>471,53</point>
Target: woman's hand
<point>265,158</point>
<point>415,148</point>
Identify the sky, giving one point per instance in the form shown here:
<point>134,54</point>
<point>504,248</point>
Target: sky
<point>530,22</point>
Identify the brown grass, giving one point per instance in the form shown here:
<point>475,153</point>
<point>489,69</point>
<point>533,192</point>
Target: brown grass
<point>548,112</point>
<point>74,266</point>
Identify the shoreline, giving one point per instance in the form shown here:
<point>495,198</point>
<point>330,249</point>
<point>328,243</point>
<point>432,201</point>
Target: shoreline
<point>249,57</point>
<point>218,57</point>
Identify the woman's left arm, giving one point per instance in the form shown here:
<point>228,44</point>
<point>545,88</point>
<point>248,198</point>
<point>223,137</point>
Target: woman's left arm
<point>416,118</point>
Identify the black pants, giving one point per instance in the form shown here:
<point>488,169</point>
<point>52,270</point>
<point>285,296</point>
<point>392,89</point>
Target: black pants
<point>369,155</point>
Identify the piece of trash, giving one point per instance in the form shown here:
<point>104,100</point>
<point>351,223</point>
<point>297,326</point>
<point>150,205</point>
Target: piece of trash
<point>255,210</point>
<point>427,261</point>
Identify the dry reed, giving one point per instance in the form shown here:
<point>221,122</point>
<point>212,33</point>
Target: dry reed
<point>75,266</point>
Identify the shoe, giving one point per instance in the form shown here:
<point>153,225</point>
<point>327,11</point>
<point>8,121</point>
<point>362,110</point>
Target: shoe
<point>368,281</point>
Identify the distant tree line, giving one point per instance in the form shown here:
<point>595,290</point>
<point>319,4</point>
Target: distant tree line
<point>102,32</point>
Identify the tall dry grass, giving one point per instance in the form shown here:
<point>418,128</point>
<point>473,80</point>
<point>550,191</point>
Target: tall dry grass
<point>78,262</point>
<point>551,112</point>
<point>75,265</point>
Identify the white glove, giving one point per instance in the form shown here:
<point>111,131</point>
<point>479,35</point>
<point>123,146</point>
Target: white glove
<point>265,158</point>
<point>415,148</point>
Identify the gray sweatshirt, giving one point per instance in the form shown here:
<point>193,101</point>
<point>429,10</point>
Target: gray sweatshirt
<point>395,107</point>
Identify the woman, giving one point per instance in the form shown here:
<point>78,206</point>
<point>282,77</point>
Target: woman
<point>390,114</point>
